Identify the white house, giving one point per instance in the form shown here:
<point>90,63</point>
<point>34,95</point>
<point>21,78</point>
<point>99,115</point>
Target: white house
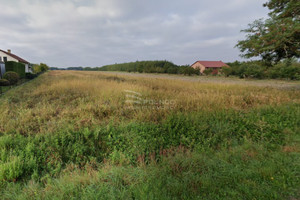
<point>8,56</point>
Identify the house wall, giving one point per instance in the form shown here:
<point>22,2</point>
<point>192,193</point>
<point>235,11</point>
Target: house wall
<point>2,69</point>
<point>199,66</point>
<point>9,58</point>
<point>27,68</point>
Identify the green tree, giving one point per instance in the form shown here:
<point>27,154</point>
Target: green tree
<point>44,67</point>
<point>36,68</point>
<point>276,38</point>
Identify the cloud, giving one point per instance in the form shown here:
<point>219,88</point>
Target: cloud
<point>94,33</point>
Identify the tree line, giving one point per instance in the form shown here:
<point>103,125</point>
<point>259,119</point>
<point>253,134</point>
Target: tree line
<point>140,66</point>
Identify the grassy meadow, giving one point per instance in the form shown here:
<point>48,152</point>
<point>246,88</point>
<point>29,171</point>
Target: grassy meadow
<point>96,135</point>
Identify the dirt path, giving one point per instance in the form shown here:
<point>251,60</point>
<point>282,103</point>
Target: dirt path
<point>280,84</point>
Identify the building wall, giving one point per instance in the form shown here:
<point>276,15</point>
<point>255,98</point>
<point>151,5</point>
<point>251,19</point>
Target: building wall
<point>2,69</point>
<point>9,58</point>
<point>198,66</point>
<point>27,70</point>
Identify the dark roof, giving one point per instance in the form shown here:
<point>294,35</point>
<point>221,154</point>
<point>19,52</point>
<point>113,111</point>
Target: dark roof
<point>15,57</point>
<point>212,63</point>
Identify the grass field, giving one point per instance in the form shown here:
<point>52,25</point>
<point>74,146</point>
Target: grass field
<point>101,135</point>
<point>4,89</point>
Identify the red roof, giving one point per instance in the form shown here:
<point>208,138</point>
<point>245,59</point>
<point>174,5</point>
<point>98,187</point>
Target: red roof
<point>16,57</point>
<point>212,63</point>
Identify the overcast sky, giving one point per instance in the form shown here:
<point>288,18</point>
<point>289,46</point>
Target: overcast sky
<point>66,33</point>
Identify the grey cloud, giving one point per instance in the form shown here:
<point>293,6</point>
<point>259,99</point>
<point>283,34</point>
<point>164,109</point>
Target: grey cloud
<point>94,33</point>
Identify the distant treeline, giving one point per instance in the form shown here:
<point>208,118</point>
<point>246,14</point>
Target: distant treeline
<point>286,69</point>
<point>142,67</point>
<point>151,67</point>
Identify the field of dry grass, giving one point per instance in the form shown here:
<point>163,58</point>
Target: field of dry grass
<point>107,135</point>
<point>69,100</point>
<point>279,84</point>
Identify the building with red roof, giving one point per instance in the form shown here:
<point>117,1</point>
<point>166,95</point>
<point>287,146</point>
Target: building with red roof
<point>214,65</point>
<point>8,56</point>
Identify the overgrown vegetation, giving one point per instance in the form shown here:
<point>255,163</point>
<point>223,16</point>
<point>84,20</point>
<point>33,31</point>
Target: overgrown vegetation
<point>286,69</point>
<point>74,135</point>
<point>151,67</point>
<point>39,68</point>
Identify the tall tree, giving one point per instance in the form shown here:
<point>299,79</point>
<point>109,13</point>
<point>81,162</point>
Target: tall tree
<point>277,37</point>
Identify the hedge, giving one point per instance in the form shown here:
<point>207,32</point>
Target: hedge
<point>16,67</point>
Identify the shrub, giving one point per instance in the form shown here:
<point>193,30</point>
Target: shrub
<point>4,82</point>
<point>41,68</point>
<point>284,71</point>
<point>239,71</point>
<point>44,67</point>
<point>215,72</point>
<point>208,71</point>
<point>254,71</point>
<point>30,75</point>
<point>227,71</point>
<point>291,72</point>
<point>189,71</point>
<point>273,73</point>
<point>172,70</point>
<point>12,77</point>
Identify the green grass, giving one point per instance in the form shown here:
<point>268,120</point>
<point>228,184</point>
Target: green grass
<point>249,171</point>
<point>225,155</point>
<point>3,89</point>
<point>248,151</point>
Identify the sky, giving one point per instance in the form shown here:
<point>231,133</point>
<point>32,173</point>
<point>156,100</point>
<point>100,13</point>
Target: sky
<point>65,33</point>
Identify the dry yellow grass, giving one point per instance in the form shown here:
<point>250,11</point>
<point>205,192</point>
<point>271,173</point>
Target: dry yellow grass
<point>69,100</point>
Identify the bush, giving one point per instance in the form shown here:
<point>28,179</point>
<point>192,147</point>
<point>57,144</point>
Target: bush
<point>30,75</point>
<point>292,72</point>
<point>254,71</point>
<point>227,71</point>
<point>4,82</point>
<point>172,70</point>
<point>286,69</point>
<point>239,71</point>
<point>12,77</point>
<point>208,71</point>
<point>189,71</point>
<point>41,68</point>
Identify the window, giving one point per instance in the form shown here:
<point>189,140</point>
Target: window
<point>5,59</point>
<point>0,58</point>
